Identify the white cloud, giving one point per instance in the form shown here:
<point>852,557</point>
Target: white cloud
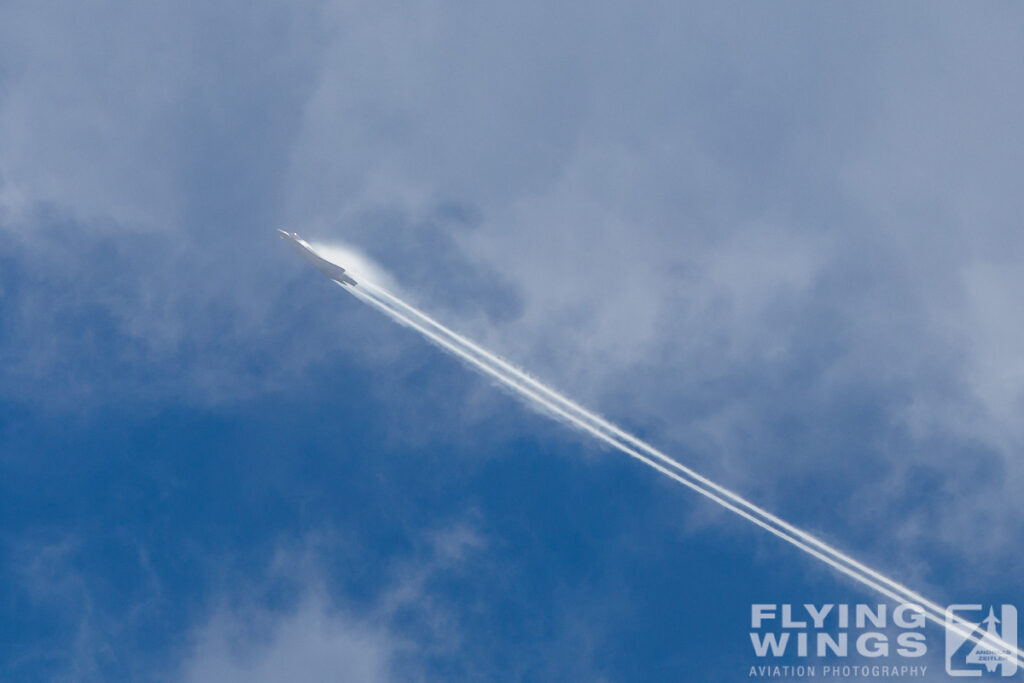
<point>310,644</point>
<point>719,224</point>
<point>315,639</point>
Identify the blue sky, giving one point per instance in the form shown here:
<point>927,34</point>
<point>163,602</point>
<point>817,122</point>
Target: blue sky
<point>779,241</point>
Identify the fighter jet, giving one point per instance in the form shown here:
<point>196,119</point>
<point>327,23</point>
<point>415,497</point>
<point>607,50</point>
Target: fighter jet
<point>331,270</point>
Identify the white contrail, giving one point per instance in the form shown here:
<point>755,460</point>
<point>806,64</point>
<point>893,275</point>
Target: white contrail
<point>553,402</point>
<point>907,595</point>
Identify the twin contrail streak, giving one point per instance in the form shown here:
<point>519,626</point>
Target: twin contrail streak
<point>551,401</point>
<point>542,396</point>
